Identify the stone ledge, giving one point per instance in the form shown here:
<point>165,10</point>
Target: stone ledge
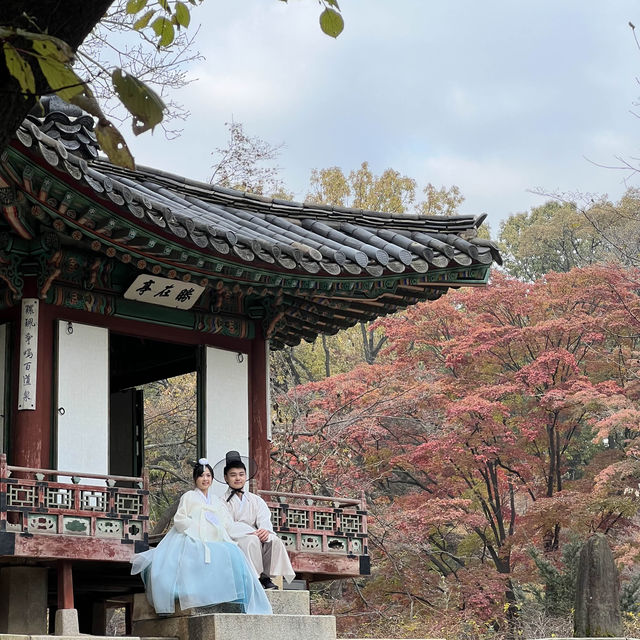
<point>142,610</point>
<point>288,602</point>
<point>227,626</point>
<point>231,626</point>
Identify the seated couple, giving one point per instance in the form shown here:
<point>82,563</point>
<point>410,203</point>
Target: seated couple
<point>218,550</point>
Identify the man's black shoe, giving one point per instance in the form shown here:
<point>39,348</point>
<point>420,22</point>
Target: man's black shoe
<point>266,583</point>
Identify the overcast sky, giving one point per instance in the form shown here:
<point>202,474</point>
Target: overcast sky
<point>497,97</point>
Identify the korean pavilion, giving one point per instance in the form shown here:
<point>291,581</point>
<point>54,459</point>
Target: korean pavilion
<point>111,278</point>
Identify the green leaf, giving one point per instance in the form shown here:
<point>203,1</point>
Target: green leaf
<point>142,22</point>
<point>87,102</point>
<point>165,5</point>
<point>19,69</point>
<point>135,6</point>
<point>142,102</point>
<point>64,50</point>
<point>333,3</point>
<point>183,16</point>
<point>48,49</point>
<point>113,144</point>
<point>62,79</point>
<point>164,30</point>
<point>331,22</point>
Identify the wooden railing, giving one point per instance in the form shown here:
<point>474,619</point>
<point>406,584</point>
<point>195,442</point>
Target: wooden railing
<point>50,513</point>
<point>66,503</point>
<point>319,524</point>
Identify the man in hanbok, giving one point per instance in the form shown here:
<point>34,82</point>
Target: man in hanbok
<point>252,529</point>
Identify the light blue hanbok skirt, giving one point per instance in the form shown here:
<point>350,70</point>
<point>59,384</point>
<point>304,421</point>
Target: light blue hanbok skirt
<point>178,569</point>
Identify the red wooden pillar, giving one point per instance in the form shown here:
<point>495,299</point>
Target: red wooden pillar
<point>259,445</point>
<point>31,429</point>
<point>65,585</point>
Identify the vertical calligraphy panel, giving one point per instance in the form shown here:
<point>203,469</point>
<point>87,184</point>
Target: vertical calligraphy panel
<point>28,354</point>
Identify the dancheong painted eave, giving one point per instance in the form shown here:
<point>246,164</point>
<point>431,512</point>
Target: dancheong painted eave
<point>299,269</point>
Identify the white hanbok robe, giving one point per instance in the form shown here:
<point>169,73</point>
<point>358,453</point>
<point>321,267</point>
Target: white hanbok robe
<point>250,514</point>
<point>197,563</point>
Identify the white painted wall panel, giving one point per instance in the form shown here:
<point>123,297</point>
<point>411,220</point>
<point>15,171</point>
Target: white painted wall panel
<point>83,394</point>
<point>226,406</point>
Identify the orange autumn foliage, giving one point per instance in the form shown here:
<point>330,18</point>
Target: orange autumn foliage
<point>496,420</point>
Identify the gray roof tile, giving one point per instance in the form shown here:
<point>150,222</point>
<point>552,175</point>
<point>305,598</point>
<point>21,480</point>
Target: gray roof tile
<point>309,237</point>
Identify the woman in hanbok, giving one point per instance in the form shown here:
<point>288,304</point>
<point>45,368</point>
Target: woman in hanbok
<point>197,563</point>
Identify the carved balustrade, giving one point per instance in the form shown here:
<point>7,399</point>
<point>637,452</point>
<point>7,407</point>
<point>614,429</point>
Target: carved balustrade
<point>50,513</point>
<point>316,528</point>
<point>109,510</point>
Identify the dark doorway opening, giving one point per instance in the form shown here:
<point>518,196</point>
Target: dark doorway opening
<point>143,375</point>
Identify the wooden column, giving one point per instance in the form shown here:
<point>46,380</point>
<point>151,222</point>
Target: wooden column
<point>65,585</point>
<point>31,429</point>
<point>259,445</point>
<point>99,613</point>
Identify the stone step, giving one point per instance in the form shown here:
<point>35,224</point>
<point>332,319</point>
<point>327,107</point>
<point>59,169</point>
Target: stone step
<point>293,603</point>
<point>291,620</point>
<point>142,610</point>
<point>231,626</point>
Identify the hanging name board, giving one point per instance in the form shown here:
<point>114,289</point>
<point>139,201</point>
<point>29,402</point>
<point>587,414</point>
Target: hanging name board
<point>163,291</point>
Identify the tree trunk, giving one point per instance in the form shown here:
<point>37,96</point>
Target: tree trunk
<point>551,443</point>
<point>512,611</point>
<point>597,609</point>
<point>369,349</point>
<point>165,518</point>
<point>327,356</point>
<point>70,21</point>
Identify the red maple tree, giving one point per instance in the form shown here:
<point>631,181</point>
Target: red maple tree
<point>497,419</point>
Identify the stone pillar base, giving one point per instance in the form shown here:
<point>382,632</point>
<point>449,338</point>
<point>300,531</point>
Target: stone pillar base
<point>67,622</point>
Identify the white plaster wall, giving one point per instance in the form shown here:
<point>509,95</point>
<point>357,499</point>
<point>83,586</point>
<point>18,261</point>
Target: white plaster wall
<point>83,394</point>
<point>226,406</point>
<point>3,371</point>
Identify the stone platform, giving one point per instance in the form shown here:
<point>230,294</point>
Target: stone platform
<point>290,621</point>
<point>294,603</point>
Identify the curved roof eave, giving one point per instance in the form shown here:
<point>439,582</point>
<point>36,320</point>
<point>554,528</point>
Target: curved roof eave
<point>368,263</point>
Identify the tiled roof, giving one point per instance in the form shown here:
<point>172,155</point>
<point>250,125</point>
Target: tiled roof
<point>312,237</point>
<point>268,234</point>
